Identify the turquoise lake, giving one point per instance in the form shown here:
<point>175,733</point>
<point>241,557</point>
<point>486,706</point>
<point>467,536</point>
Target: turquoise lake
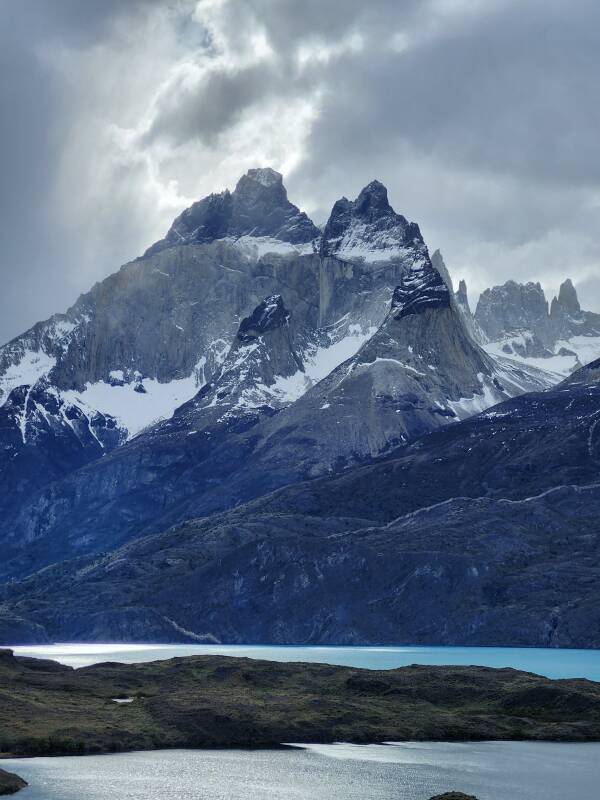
<point>548,662</point>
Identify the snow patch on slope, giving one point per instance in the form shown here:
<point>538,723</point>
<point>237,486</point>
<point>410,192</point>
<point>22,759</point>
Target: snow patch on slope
<point>468,406</point>
<point>321,361</point>
<point>137,404</point>
<point>32,366</point>
<point>318,360</point>
<point>257,246</point>
<point>584,349</point>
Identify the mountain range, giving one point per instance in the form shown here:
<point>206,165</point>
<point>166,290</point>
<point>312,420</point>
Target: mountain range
<point>265,431</point>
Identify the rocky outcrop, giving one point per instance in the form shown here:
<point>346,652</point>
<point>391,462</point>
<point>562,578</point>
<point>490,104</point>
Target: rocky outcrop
<point>43,438</point>
<point>454,796</point>
<point>438,263</point>
<point>461,298</point>
<point>567,318</point>
<point>567,298</point>
<point>420,371</point>
<point>10,783</point>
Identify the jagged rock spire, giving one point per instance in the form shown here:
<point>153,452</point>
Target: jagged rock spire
<point>462,296</point>
<point>262,354</point>
<point>368,228</point>
<point>567,298</point>
<point>437,262</point>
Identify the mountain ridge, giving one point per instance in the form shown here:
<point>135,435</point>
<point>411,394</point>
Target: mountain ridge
<point>248,352</point>
<point>483,532</point>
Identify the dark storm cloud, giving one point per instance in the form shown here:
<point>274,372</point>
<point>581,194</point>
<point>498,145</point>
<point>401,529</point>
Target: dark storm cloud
<point>481,116</point>
<point>35,120</point>
<point>207,110</point>
<point>516,92</point>
<point>29,149</point>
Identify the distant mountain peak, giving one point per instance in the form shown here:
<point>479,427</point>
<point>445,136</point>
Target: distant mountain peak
<point>369,229</point>
<point>258,207</point>
<point>461,297</point>
<point>261,186</point>
<point>512,307</point>
<point>372,200</point>
<point>265,176</point>
<point>567,297</point>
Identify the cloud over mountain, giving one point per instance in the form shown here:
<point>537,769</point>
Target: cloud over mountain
<point>481,117</point>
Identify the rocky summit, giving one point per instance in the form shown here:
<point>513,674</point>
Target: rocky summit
<point>258,408</point>
<point>258,208</point>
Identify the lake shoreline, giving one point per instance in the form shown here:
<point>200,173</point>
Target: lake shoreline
<point>200,702</point>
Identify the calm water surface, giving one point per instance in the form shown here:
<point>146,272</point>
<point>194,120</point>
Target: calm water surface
<point>552,663</point>
<point>491,771</point>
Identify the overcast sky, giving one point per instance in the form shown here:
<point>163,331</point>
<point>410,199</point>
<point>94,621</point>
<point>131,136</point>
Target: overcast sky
<point>481,117</point>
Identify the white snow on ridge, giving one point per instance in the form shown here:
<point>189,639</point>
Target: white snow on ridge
<point>360,241</point>
<point>402,364</point>
<point>32,366</point>
<point>258,246</point>
<point>468,406</point>
<point>266,176</point>
<point>320,362</point>
<point>586,349</point>
<point>557,366</point>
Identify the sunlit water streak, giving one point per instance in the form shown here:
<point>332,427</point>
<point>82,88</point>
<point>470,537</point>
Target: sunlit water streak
<point>549,662</point>
<point>413,771</point>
